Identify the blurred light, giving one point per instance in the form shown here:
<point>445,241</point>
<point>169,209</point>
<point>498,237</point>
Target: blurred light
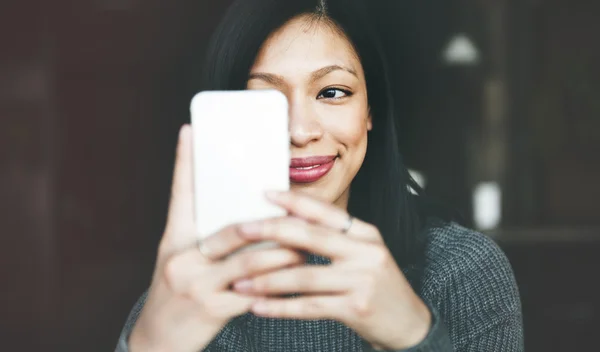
<point>487,205</point>
<point>419,178</point>
<point>461,51</point>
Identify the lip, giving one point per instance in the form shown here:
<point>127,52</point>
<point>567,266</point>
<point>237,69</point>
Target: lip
<point>310,169</point>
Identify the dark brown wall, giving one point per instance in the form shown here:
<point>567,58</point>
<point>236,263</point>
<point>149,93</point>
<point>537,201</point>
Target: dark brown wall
<point>92,94</point>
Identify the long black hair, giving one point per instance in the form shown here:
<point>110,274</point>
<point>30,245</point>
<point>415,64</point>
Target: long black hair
<point>380,193</point>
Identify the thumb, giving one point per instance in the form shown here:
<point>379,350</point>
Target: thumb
<point>228,304</point>
<point>180,231</point>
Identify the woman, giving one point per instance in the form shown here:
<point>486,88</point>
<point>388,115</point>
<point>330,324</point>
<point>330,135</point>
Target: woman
<point>392,277</point>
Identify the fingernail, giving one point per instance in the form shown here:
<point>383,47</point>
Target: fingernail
<point>260,307</point>
<point>251,229</point>
<point>243,285</point>
<point>183,131</point>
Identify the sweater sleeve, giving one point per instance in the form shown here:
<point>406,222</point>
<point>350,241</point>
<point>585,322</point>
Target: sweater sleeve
<point>470,288</point>
<point>437,339</point>
<point>473,292</point>
<point>123,343</point>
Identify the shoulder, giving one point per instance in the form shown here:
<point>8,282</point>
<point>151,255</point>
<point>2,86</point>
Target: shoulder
<point>468,279</point>
<point>452,252</point>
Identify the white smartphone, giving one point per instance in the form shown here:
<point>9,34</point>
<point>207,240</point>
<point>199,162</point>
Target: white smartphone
<point>241,151</point>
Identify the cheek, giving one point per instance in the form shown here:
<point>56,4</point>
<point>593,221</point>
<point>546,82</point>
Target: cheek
<point>348,126</point>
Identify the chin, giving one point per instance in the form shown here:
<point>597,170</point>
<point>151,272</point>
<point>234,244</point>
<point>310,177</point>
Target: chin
<point>317,191</point>
<point>306,188</point>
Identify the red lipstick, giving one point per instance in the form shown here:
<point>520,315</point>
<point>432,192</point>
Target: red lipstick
<point>310,169</point>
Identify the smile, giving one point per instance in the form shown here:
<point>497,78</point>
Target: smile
<point>311,169</point>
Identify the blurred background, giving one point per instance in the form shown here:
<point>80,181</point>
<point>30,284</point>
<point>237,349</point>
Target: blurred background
<point>500,119</point>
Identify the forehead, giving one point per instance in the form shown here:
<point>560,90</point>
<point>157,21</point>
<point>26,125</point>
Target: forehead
<point>305,45</point>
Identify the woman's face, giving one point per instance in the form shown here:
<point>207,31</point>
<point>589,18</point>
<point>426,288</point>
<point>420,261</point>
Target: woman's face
<point>318,70</point>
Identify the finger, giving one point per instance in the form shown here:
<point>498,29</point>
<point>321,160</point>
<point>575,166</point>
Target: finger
<point>181,271</point>
<point>310,209</point>
<point>231,304</point>
<point>180,220</point>
<point>306,279</point>
<point>304,307</point>
<point>222,305</point>
<point>295,233</point>
<point>252,263</point>
<point>223,243</point>
<point>319,212</point>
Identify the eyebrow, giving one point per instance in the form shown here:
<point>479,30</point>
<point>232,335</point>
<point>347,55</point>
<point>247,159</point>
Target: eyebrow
<point>277,80</point>
<point>322,72</point>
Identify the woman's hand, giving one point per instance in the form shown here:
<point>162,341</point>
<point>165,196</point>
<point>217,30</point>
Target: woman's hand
<point>362,288</point>
<point>190,300</point>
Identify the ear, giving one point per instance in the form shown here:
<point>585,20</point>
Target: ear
<point>369,122</point>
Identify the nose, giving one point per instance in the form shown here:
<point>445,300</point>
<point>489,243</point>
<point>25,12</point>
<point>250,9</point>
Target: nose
<point>304,124</point>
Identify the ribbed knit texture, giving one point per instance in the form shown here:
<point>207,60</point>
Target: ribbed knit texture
<point>463,277</point>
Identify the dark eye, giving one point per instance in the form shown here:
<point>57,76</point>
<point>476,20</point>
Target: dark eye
<point>333,93</point>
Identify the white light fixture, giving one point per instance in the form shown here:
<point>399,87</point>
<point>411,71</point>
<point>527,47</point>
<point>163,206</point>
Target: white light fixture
<point>419,178</point>
<point>461,51</point>
<point>487,205</point>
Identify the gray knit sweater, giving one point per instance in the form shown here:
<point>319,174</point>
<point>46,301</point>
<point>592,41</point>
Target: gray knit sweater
<point>464,278</point>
